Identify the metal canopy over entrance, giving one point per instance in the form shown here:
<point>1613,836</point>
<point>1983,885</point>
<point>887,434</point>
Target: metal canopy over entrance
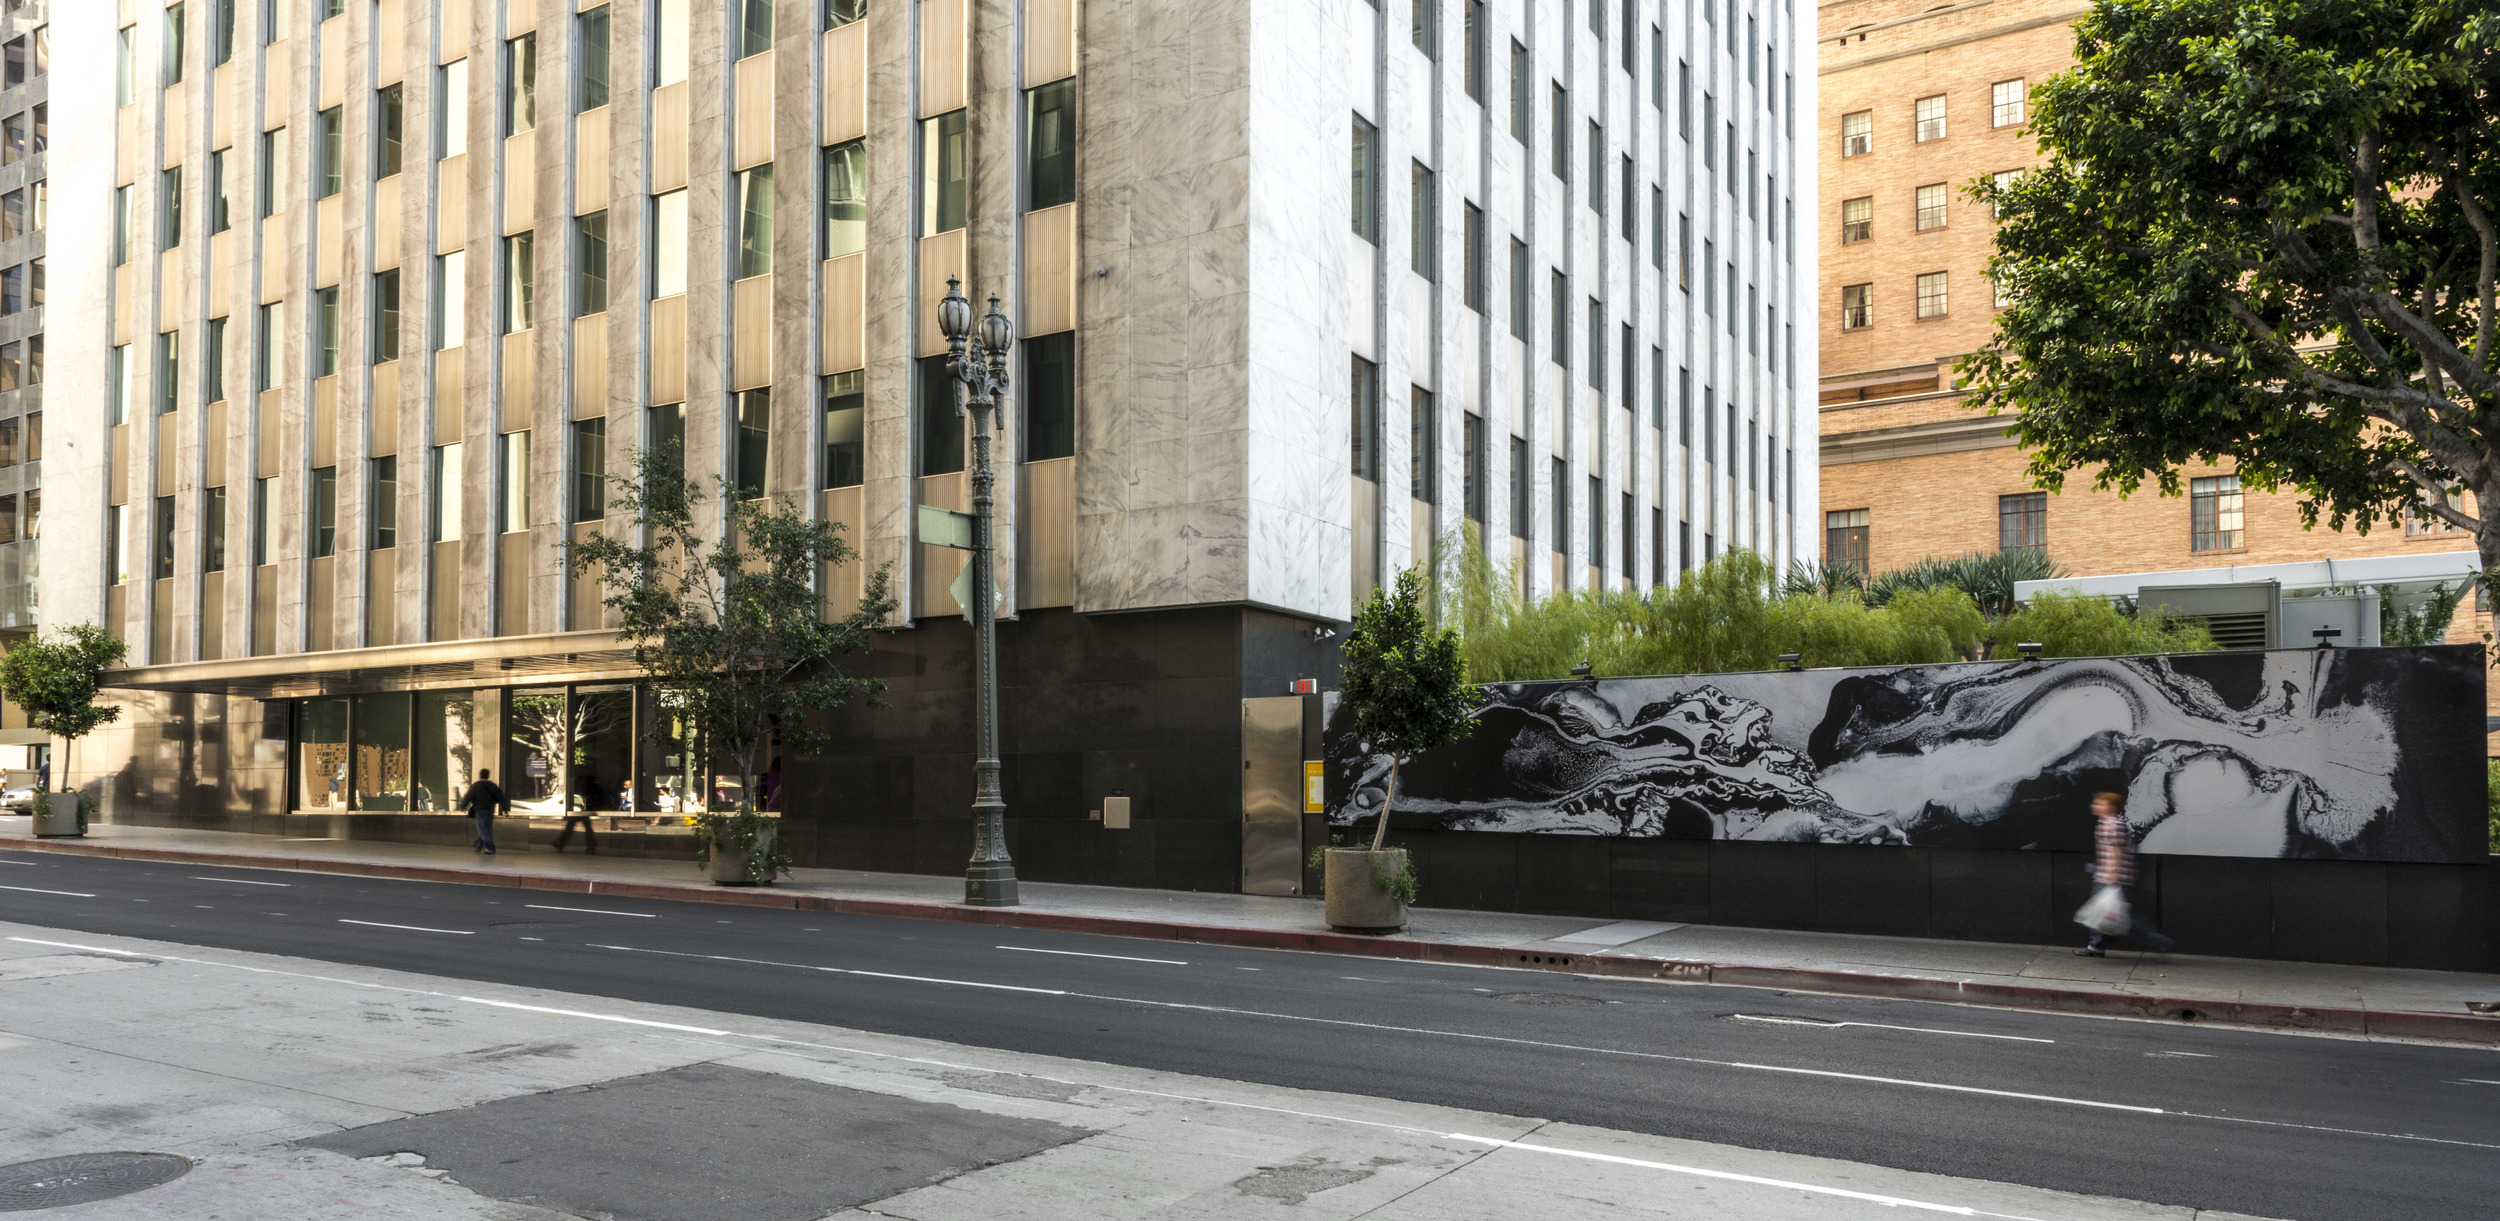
<point>557,657</point>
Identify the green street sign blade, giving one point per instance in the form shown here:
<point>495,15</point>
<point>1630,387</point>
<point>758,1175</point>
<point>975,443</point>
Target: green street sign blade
<point>945,528</point>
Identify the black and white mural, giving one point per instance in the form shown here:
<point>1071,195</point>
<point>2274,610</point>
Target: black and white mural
<point>2369,754</point>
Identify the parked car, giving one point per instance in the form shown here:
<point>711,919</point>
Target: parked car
<point>18,797</point>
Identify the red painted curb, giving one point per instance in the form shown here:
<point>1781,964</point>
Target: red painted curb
<point>2394,1023</point>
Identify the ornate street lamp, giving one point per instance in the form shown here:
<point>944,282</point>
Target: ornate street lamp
<point>979,364</point>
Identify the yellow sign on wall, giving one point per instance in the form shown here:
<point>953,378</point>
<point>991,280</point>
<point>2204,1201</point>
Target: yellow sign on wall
<point>1314,787</point>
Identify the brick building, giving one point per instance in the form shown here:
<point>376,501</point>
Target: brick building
<point>1916,104</point>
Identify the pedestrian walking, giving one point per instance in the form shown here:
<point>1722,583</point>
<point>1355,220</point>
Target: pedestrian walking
<point>589,797</point>
<point>482,800</point>
<point>2109,913</point>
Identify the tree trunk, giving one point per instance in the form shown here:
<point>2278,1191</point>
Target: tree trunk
<point>1381,835</point>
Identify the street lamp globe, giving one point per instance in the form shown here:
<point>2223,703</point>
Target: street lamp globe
<point>996,331</point>
<point>955,311</point>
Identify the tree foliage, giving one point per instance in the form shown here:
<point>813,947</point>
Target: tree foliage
<point>2262,233</point>
<point>56,679</point>
<point>723,609</point>
<point>1404,682</point>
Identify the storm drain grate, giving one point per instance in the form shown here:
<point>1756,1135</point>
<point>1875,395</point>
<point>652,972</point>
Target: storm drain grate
<point>54,1182</point>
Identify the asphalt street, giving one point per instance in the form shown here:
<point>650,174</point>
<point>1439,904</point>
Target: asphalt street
<point>2234,1120</point>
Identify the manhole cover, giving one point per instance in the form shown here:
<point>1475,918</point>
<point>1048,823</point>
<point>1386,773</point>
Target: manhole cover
<point>82,1177</point>
<point>1544,998</point>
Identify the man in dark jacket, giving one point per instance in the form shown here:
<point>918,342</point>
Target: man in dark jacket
<point>483,799</point>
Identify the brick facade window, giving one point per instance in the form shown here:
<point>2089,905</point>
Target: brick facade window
<point>2005,103</point>
<point>1857,219</point>
<point>1857,306</point>
<point>2023,522</point>
<point>1931,295</point>
<point>1857,133</point>
<point>1845,538</point>
<point>2423,525</point>
<point>2004,181</point>
<point>1931,201</point>
<point>1930,115</point>
<point>2216,521</point>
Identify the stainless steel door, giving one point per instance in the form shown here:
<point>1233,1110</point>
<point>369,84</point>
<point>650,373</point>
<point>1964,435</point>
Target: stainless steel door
<point>1271,795</point>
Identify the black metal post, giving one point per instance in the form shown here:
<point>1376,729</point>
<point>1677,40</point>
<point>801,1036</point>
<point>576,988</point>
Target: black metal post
<point>980,364</point>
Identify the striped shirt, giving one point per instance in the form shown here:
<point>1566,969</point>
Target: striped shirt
<point>2116,863</point>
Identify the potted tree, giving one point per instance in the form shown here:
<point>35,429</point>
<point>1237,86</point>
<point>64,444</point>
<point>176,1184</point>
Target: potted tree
<point>727,624</point>
<point>1404,686</point>
<point>55,681</point>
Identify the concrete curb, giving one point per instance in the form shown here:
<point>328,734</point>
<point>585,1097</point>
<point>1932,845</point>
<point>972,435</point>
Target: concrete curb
<point>2391,1023</point>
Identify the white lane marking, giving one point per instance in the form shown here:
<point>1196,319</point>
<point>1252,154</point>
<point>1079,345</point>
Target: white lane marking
<point>237,881</point>
<point>414,928</point>
<point>2176,1055</point>
<point>533,939</point>
<point>307,839</point>
<point>1965,1034</point>
<point>596,1017</point>
<point>2475,1081</point>
<point>801,966</point>
<point>596,911</point>
<point>37,890</point>
<point>2311,1127</point>
<point>1729,1176</point>
<point>6,861</point>
<point>1026,949</point>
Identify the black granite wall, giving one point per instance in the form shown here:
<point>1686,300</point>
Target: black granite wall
<point>1146,704</point>
<point>2444,917</point>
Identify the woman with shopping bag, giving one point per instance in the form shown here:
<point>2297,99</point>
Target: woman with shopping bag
<point>2108,913</point>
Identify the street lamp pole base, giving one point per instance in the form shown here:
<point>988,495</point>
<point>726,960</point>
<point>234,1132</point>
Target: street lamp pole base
<point>990,885</point>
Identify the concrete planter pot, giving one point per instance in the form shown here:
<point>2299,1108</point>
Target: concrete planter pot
<point>60,815</point>
<point>728,866</point>
<point>1357,902</point>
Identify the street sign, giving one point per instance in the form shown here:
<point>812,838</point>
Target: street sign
<point>945,528</point>
<point>961,592</point>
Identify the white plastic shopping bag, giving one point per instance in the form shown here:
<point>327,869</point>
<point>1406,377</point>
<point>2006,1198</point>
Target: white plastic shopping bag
<point>2105,912</point>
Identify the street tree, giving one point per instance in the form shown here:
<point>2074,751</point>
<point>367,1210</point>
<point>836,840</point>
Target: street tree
<point>2262,232</point>
<point>1404,683</point>
<point>55,680</point>
<point>721,601</point>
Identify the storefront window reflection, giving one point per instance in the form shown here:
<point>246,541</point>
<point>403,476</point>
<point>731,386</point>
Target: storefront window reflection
<point>445,729</point>
<point>537,728</point>
<point>322,755</point>
<point>381,771</point>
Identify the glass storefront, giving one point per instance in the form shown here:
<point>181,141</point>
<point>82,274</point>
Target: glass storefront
<point>444,732</point>
<point>380,726</point>
<point>537,726</point>
<point>321,755</point>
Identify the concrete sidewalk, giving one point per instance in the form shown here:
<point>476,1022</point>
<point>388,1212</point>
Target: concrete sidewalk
<point>2379,1001</point>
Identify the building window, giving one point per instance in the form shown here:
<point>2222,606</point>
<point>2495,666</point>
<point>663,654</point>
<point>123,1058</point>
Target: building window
<point>1684,251</point>
<point>1471,269</point>
<point>1561,153</point>
<point>443,494</point>
<point>1559,306</point>
<point>1423,448</point>
<point>1658,228</point>
<point>1424,212</point>
<point>451,293</point>
<point>389,121</point>
<point>941,419</point>
<point>1425,24</point>
<point>755,27</point>
<point>754,453</point>
<point>590,263</point>
<point>1366,169</point>
<point>1049,396</point>
<point>12,290</point>
<point>161,566</point>
<point>386,315</point>
<point>590,59</point>
<point>2215,514</point>
<point>329,152</point>
<point>754,202</point>
<point>382,501</point>
<point>1857,306</point>
<point>1597,523</point>
<point>943,188</point>
<point>1931,295</point>
<point>1684,100</point>
<point>325,511</point>
<point>2419,523</point>
<point>265,354</point>
<point>451,116</point>
<point>173,43</point>
<point>846,419</point>
<point>2023,523</point>
<point>213,529</point>
<point>1627,183</point>
<point>125,64</point>
<point>1558,510</point>
<point>1364,404</point>
<point>1857,133</point>
<point>839,13</point>
<point>513,476</point>
<point>2005,103</point>
<point>1519,76</point>
<point>212,372</point>
<point>670,34</point>
<point>846,199</point>
<point>590,469</point>
<point>1845,538</point>
<point>1519,290</point>
<point>520,282</point>
<point>169,192</point>
<point>1857,219</point>
<point>1050,144</point>
<point>520,84</point>
<point>1930,202</point>
<point>1519,490</point>
<point>1929,112</point>
<point>1597,169</point>
<point>1710,131</point>
<point>326,332</point>
<point>1597,345</point>
<point>168,372</point>
<point>1471,466</point>
<point>1473,15</point>
<point>668,244</point>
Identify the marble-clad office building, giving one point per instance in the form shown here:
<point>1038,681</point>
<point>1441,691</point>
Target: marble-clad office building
<point>367,295</point>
